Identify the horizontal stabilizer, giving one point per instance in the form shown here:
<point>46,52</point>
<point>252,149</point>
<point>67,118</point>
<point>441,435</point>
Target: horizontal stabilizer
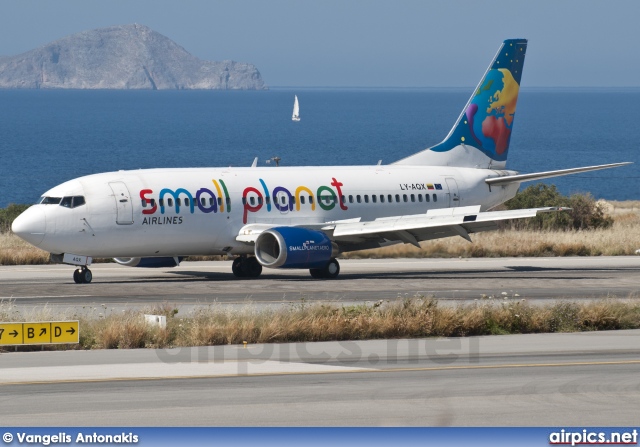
<point>548,174</point>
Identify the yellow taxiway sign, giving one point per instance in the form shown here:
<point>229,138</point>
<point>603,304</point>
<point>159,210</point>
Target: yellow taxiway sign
<point>39,333</point>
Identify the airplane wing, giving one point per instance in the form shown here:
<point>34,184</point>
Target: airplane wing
<point>411,229</point>
<point>434,224</point>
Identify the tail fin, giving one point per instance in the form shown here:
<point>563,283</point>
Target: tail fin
<point>480,138</point>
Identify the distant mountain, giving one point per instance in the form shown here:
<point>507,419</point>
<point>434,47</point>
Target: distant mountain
<point>122,57</point>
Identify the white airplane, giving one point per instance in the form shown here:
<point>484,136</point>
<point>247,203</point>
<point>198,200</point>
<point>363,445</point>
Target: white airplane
<point>296,217</point>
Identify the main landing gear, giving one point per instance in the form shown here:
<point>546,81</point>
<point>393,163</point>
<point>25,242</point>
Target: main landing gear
<point>249,267</point>
<point>246,267</point>
<point>82,276</point>
<point>330,271</point>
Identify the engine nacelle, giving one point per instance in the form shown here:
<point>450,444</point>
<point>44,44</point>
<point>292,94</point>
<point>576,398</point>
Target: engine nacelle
<point>294,248</point>
<point>150,262</point>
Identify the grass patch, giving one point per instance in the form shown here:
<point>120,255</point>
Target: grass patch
<point>408,318</point>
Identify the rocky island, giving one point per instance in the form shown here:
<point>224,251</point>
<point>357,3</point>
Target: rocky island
<point>122,57</point>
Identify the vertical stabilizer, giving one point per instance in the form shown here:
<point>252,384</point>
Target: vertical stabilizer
<point>480,138</point>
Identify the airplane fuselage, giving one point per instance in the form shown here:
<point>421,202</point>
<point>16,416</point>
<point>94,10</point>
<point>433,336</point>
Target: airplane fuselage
<point>199,211</point>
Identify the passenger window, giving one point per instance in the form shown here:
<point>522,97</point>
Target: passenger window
<point>398,198</point>
<point>144,203</point>
<point>302,200</point>
<point>228,202</point>
<point>161,201</point>
<point>259,200</point>
<point>310,199</point>
<point>413,197</point>
<point>435,197</point>
<point>374,198</point>
<point>390,197</point>
<point>381,198</point>
<point>350,198</point>
<point>404,197</point>
<point>219,201</point>
<point>268,200</point>
<point>342,199</point>
<point>366,198</point>
<point>178,201</point>
<point>170,202</point>
<point>358,198</point>
<point>426,197</point>
<point>293,200</point>
<point>66,202</point>
<point>419,197</point>
<point>252,200</point>
<point>186,202</point>
<point>203,201</point>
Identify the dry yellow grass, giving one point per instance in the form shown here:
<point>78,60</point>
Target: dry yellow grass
<point>15,251</point>
<point>614,207</point>
<point>408,318</point>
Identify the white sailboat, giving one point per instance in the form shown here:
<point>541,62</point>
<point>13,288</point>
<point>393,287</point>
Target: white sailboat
<point>296,110</point>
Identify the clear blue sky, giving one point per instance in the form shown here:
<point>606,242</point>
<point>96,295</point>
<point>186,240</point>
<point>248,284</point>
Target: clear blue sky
<point>365,43</point>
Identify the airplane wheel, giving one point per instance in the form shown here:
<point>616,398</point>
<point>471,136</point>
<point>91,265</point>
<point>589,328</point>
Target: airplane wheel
<point>332,270</point>
<point>236,267</point>
<point>251,268</point>
<point>86,276</point>
<point>76,276</point>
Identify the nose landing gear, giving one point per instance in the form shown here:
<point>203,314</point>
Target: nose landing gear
<point>82,276</point>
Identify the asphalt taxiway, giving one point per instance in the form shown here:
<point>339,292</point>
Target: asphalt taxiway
<point>195,283</point>
<point>586,379</point>
<point>540,379</point>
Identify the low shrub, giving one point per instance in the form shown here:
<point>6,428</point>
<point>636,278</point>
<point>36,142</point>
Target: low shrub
<point>585,214</point>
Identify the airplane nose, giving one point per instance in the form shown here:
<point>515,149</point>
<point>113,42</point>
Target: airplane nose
<point>30,225</point>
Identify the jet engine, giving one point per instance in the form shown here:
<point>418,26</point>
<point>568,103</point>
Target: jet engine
<point>293,247</point>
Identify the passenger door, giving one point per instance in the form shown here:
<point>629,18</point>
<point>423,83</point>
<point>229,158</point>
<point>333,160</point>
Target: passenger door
<point>454,198</point>
<point>124,207</point>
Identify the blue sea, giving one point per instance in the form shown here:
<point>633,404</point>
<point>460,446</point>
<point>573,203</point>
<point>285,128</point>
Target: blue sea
<point>50,136</point>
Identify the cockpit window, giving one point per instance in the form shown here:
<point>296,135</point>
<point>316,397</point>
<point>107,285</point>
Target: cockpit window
<point>50,200</point>
<point>72,201</point>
